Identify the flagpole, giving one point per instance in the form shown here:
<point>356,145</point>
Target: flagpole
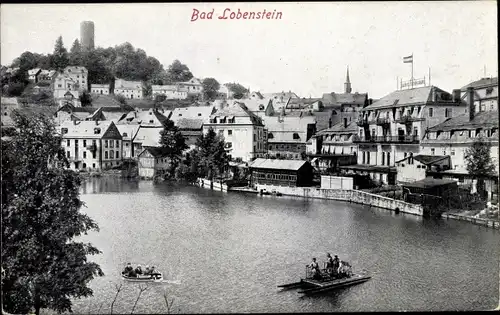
<point>412,70</point>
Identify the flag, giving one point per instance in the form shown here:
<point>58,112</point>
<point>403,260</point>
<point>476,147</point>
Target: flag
<point>408,59</point>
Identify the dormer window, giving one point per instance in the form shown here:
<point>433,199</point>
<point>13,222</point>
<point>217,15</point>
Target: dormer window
<point>97,131</point>
<point>124,134</point>
<point>64,130</point>
<point>270,136</point>
<point>151,121</point>
<point>199,114</point>
<point>180,115</point>
<point>296,136</point>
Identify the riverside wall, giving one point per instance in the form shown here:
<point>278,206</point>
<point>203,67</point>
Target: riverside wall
<point>215,185</point>
<point>355,196</point>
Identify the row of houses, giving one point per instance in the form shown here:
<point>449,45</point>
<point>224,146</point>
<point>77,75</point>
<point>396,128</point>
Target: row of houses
<point>410,134</point>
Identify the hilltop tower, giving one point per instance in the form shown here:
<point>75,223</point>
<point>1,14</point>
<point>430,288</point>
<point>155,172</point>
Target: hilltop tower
<point>87,35</point>
<point>347,84</point>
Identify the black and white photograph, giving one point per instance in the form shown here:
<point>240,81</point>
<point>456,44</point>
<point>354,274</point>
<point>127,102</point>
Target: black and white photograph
<point>249,157</point>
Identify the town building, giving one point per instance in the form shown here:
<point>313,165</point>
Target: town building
<point>334,147</point>
<point>91,145</point>
<point>170,92</point>
<point>68,113</point>
<point>392,127</point>
<point>110,113</point>
<point>79,75</point>
<point>243,131</point>
<point>128,132</point>
<point>485,94</point>
<point>292,173</point>
<point>190,121</point>
<point>103,89</point>
<point>64,84</point>
<point>287,135</point>
<point>146,136</point>
<point>455,136</point>
<point>259,106</point>
<point>193,86</point>
<point>414,168</point>
<point>46,75</point>
<point>33,74</point>
<point>129,89</point>
<point>152,162</point>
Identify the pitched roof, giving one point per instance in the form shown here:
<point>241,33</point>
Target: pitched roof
<point>339,128</point>
<point>238,110</point>
<point>337,99</point>
<point>148,136</point>
<point>255,105</point>
<point>430,182</point>
<point>201,113</point>
<point>75,68</point>
<point>34,71</point>
<point>416,96</point>
<point>155,151</point>
<point>188,123</point>
<point>288,123</point>
<point>462,122</point>
<point>276,164</point>
<point>85,129</point>
<point>144,117</point>
<point>481,83</point>
<point>427,159</point>
<point>285,95</point>
<point>129,85</point>
<point>130,130</point>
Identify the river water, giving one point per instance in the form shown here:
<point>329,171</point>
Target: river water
<point>227,252</point>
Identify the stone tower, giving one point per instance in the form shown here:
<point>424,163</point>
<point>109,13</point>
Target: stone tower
<point>347,84</point>
<point>87,35</point>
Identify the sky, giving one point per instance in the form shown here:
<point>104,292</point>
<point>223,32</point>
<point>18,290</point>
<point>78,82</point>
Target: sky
<point>307,51</point>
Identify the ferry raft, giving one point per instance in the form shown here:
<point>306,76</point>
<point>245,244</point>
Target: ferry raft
<point>326,282</point>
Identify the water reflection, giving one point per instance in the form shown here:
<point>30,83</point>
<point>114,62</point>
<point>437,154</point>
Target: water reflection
<point>231,250</point>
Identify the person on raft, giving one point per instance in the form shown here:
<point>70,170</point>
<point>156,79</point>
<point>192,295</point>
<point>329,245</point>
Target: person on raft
<point>329,264</point>
<point>315,269</point>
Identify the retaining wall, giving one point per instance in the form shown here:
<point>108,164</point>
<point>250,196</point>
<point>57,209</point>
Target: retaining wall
<point>479,221</point>
<point>355,196</point>
<point>215,185</point>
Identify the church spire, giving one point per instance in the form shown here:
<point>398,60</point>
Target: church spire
<point>347,84</point>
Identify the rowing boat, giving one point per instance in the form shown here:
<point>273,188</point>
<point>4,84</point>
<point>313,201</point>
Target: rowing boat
<point>158,277</point>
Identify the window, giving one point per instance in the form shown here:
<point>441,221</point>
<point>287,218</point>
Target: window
<point>124,134</point>
<point>93,165</point>
<point>84,154</point>
<point>105,143</point>
<point>68,154</point>
<point>151,121</point>
<point>111,154</point>
<point>444,152</point>
<point>106,154</point>
<point>68,143</point>
<point>111,144</point>
<point>117,154</point>
<point>296,136</point>
<point>126,144</point>
<point>270,136</point>
<point>402,165</point>
<point>117,143</point>
<point>388,158</point>
<point>93,154</point>
<point>452,152</point>
<point>229,132</point>
<point>432,151</point>
<point>97,131</point>
<point>447,112</point>
<point>59,85</point>
<point>84,143</point>
<point>430,112</point>
<point>76,143</point>
<point>254,137</point>
<point>383,158</point>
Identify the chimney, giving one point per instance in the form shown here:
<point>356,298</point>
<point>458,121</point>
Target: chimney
<point>96,122</point>
<point>470,100</point>
<point>456,95</point>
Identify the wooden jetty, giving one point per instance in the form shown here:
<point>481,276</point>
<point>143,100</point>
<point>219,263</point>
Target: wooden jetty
<point>312,286</point>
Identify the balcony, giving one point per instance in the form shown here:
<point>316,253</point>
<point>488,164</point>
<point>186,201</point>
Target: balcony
<point>388,139</point>
<point>362,122</point>
<point>383,121</point>
<point>407,119</point>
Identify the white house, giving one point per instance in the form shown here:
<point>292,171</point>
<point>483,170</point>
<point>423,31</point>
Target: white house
<point>170,91</point>
<point>129,89</point>
<point>103,89</point>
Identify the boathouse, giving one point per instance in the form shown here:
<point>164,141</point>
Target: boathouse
<point>152,162</point>
<point>292,173</point>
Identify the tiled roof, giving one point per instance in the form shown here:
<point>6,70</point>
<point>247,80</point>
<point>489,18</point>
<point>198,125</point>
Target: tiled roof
<point>155,151</point>
<point>288,123</point>
<point>33,71</point>
<point>332,99</point>
<point>285,95</point>
<point>143,117</point>
<point>429,182</point>
<point>339,128</point>
<point>192,112</point>
<point>255,105</point>
<point>482,82</point>
<point>100,86</point>
<point>188,123</point>
<point>482,119</point>
<point>84,129</point>
<point>130,130</point>
<point>276,164</point>
<point>237,110</point>
<point>149,136</point>
<point>129,85</point>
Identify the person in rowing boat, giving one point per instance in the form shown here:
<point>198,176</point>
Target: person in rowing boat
<point>138,270</point>
<point>154,273</point>
<point>335,265</point>
<point>128,269</point>
<point>147,272</point>
<point>315,269</point>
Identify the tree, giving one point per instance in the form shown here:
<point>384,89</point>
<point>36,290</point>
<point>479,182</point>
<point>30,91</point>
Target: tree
<point>213,158</point>
<point>479,163</point>
<point>178,72</point>
<point>60,58</point>
<point>172,143</point>
<point>76,56</point>
<point>85,99</point>
<point>210,88</point>
<point>44,266</point>
<point>120,98</point>
<point>237,89</point>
